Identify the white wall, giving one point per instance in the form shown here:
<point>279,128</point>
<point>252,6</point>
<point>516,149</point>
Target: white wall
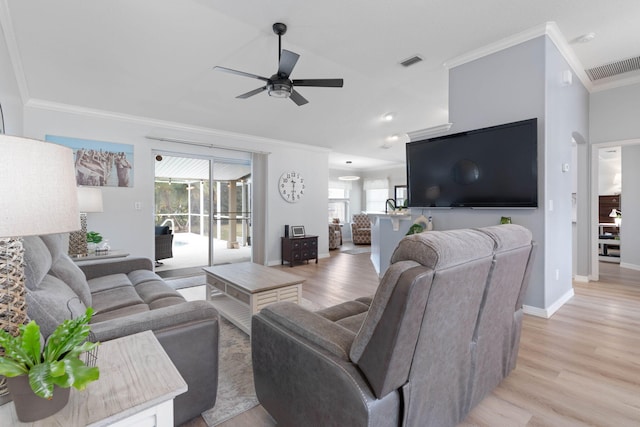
<point>132,230</point>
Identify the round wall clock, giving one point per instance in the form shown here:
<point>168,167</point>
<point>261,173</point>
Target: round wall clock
<point>291,186</point>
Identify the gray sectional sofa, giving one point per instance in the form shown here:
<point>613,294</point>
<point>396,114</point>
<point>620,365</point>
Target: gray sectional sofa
<point>441,332</point>
<point>128,297</point>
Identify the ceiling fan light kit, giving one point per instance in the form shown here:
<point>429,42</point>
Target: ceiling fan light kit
<point>280,85</point>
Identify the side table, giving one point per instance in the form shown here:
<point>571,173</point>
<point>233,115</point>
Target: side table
<point>137,385</point>
<point>296,249</point>
<point>94,257</point>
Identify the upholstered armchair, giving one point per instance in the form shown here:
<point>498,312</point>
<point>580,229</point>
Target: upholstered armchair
<point>164,243</point>
<point>440,333</point>
<point>361,229</point>
<point>335,236</point>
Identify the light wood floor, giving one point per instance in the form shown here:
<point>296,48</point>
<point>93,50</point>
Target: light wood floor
<point>579,368</point>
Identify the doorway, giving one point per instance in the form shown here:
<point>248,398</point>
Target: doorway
<point>205,202</point>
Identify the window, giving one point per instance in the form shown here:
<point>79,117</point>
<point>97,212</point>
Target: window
<point>339,201</point>
<point>376,193</point>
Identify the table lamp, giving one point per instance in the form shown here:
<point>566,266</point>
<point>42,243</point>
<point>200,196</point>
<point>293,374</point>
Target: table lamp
<point>617,216</point>
<point>89,200</point>
<point>37,196</point>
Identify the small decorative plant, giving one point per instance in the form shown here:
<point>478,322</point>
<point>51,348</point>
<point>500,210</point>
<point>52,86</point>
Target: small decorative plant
<point>57,363</point>
<point>94,237</point>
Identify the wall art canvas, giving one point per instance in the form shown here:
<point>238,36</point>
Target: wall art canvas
<point>99,163</point>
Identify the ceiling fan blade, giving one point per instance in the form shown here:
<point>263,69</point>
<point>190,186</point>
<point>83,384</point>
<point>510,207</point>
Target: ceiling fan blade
<point>297,98</point>
<point>251,93</point>
<point>319,82</point>
<point>288,60</point>
<point>240,73</point>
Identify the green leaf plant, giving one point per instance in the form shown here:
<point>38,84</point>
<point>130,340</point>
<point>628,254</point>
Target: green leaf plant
<point>58,363</point>
<point>94,237</point>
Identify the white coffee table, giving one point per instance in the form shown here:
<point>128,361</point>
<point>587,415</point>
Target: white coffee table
<point>243,289</point>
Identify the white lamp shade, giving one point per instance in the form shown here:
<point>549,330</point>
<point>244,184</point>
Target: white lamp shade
<point>37,188</point>
<point>89,199</point>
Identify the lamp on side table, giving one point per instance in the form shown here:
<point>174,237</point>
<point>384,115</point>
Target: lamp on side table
<point>37,196</point>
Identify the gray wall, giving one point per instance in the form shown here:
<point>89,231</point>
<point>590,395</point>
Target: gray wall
<point>614,117</point>
<point>566,116</point>
<point>615,114</point>
<point>519,83</point>
<point>630,208</point>
<point>9,93</point>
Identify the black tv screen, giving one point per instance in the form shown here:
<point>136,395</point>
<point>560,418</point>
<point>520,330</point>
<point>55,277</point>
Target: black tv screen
<point>492,167</point>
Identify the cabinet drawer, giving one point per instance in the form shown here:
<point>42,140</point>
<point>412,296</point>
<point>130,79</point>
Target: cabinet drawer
<point>215,283</point>
<point>238,294</point>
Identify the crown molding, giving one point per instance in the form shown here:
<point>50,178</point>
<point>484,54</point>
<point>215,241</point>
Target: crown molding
<point>160,128</point>
<point>618,82</point>
<point>14,53</point>
<point>549,29</point>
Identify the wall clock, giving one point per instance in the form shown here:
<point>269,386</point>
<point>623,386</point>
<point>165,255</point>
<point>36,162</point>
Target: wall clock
<point>291,186</point>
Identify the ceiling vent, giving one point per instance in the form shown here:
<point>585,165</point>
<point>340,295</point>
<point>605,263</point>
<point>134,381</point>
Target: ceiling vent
<point>614,68</point>
<point>410,61</point>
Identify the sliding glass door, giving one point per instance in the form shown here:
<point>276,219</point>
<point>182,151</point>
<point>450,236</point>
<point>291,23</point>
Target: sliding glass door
<point>206,204</point>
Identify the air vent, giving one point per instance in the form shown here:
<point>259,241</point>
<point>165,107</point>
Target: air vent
<point>614,68</point>
<point>410,61</point>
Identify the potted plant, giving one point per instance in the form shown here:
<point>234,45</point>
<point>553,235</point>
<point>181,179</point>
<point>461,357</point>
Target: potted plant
<point>39,376</point>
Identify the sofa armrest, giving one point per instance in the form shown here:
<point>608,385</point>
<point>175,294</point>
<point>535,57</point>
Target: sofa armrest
<point>313,327</point>
<point>114,266</point>
<point>155,320</point>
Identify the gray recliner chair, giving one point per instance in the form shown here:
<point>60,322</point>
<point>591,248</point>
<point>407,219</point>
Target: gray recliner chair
<point>440,333</point>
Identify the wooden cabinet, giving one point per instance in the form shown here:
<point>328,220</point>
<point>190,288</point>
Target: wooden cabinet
<point>298,249</point>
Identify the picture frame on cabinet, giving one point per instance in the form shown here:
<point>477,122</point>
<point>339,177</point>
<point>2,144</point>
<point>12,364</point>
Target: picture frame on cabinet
<point>297,231</point>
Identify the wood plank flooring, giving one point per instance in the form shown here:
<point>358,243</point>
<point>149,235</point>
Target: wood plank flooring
<point>579,368</point>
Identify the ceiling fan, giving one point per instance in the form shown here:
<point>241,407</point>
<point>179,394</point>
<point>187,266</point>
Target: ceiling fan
<point>280,85</point>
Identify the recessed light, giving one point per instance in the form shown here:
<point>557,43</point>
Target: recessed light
<point>387,117</point>
<point>585,38</point>
<point>348,178</point>
<point>393,138</point>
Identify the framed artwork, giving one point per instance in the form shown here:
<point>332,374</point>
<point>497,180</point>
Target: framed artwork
<point>99,163</point>
<point>297,231</point>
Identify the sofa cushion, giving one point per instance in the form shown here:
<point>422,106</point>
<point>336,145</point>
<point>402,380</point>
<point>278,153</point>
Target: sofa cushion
<point>162,229</point>
<point>353,323</point>
<point>155,290</point>
<point>116,298</point>
<point>344,310</point>
<point>122,312</point>
<point>140,276</point>
<point>442,249</point>
<point>37,260</point>
<point>111,281</point>
<point>67,271</point>
<point>53,302</point>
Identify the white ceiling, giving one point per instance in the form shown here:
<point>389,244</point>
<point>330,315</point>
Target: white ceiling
<point>155,59</point>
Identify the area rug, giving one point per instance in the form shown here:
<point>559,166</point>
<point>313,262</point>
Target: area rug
<point>236,392</point>
<point>357,251</point>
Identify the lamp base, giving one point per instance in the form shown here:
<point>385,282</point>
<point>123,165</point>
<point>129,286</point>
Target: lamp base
<point>13,307</point>
<point>78,239</point>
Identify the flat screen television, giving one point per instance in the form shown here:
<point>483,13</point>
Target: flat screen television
<point>494,167</point>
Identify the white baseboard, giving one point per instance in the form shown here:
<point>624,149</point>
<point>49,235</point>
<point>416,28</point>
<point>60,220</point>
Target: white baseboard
<point>578,278</point>
<point>630,266</point>
<point>549,311</point>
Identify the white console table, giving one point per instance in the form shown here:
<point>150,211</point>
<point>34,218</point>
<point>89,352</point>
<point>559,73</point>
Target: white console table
<point>386,232</point>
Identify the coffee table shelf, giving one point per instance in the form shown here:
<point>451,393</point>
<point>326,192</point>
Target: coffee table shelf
<point>240,290</point>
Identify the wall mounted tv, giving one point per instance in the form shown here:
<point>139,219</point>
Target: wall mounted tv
<point>494,167</point>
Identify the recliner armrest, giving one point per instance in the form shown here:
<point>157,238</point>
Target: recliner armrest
<point>114,266</point>
<point>313,327</point>
<point>172,316</point>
